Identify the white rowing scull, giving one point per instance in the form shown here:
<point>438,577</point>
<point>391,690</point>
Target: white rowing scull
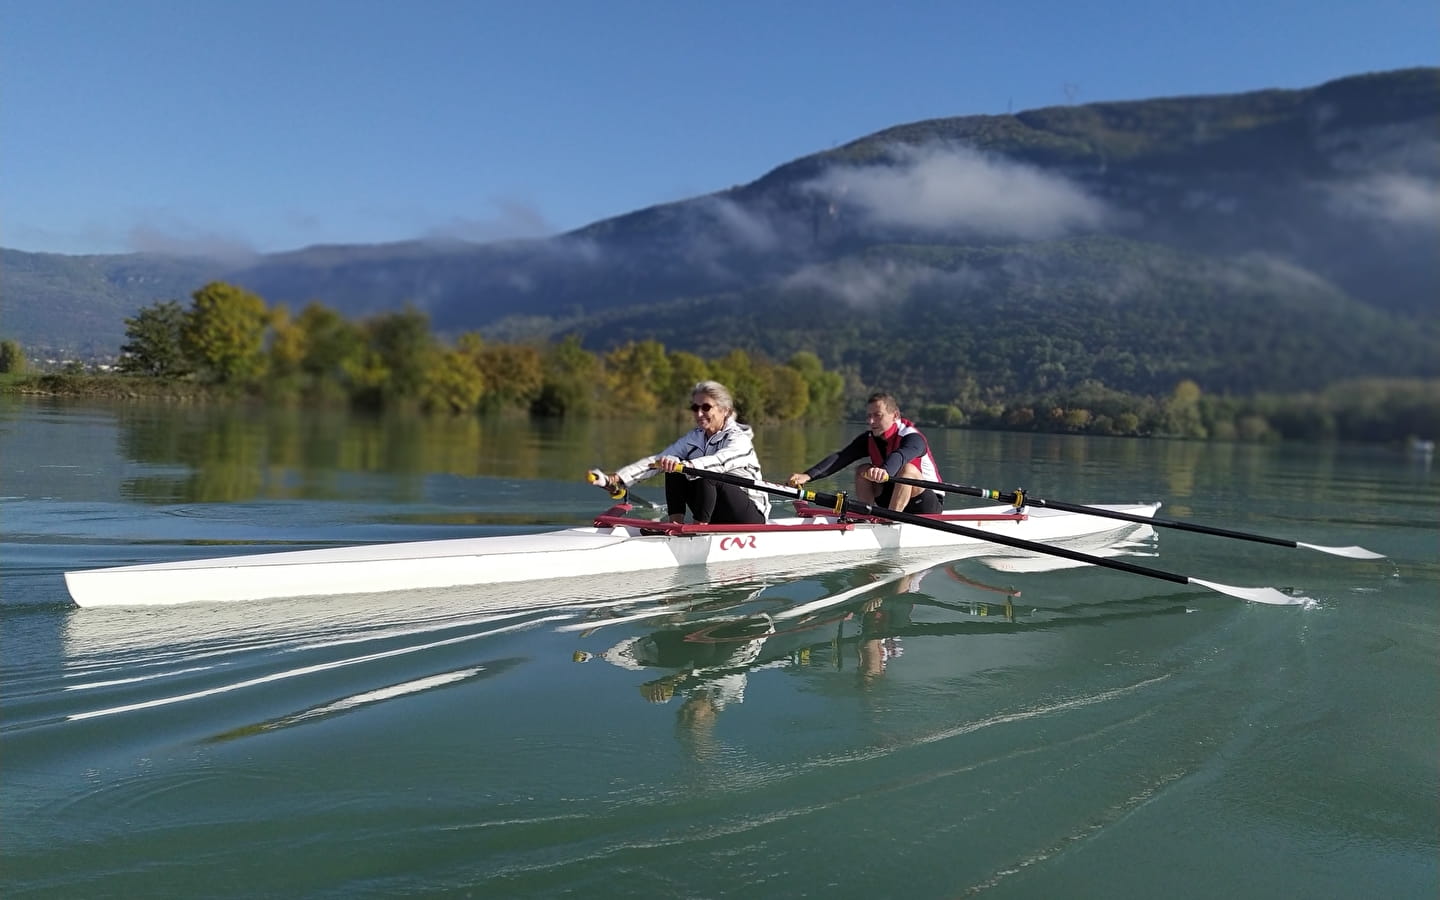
<point>615,543</point>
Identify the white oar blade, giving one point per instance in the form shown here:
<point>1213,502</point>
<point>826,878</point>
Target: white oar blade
<point>1254,595</point>
<point>1351,552</point>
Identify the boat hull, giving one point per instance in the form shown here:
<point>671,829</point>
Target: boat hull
<point>571,552</point>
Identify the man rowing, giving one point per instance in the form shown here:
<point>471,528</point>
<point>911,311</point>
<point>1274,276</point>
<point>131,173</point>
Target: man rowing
<point>891,446</point>
<point>717,443</point>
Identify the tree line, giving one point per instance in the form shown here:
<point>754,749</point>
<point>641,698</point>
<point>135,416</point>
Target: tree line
<point>229,340</point>
<point>1377,410</point>
<point>230,337</point>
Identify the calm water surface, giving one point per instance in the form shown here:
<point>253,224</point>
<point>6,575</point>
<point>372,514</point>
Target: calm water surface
<point>995,725</point>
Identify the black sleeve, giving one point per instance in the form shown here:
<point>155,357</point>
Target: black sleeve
<point>841,458</point>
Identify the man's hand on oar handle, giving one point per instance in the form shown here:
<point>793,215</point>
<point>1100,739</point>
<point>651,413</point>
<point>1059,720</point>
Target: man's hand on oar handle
<point>799,479</point>
<point>876,474</point>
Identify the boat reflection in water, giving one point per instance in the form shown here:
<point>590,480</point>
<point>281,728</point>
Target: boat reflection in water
<point>711,654</point>
<point>859,626</point>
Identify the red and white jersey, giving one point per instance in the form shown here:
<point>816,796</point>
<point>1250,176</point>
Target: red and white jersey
<point>910,444</point>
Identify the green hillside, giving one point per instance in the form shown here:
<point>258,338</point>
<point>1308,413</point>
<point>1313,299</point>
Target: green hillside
<point>1040,316</point>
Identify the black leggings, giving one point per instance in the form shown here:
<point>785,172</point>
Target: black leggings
<point>922,503</point>
<point>710,501</point>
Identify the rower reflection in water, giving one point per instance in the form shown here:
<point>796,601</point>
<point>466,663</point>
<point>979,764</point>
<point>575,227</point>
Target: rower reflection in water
<point>884,619</point>
<point>712,658</point>
<point>714,665</point>
<point>717,443</point>
<point>878,642</point>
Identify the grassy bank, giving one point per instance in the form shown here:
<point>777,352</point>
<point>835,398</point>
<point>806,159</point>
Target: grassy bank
<point>113,387</point>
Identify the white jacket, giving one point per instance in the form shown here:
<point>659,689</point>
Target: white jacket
<point>731,450</point>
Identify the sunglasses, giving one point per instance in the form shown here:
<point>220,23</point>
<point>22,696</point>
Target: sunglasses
<point>701,407</point>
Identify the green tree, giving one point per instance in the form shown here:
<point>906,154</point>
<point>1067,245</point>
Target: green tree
<point>826,390</point>
<point>12,358</point>
<point>789,393</point>
<point>224,333</point>
<point>1254,428</point>
<point>332,343</point>
<point>686,371</point>
<point>153,343</point>
<point>736,371</point>
<point>571,381</point>
<point>403,352</point>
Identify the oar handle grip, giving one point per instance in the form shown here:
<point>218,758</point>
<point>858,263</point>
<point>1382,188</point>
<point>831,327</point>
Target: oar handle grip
<point>599,478</point>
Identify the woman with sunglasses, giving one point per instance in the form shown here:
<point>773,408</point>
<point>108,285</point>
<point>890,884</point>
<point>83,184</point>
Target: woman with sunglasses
<point>717,443</point>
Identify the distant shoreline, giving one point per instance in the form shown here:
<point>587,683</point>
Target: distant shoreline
<point>127,388</point>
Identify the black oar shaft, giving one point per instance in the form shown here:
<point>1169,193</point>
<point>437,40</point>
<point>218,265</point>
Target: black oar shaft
<point>1017,496</point>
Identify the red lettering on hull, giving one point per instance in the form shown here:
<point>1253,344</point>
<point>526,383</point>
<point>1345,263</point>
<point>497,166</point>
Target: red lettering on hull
<point>738,542</point>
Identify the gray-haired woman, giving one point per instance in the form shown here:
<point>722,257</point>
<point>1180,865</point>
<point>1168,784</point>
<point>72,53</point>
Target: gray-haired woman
<point>717,443</point>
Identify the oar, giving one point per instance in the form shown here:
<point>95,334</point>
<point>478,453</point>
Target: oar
<point>842,503</point>
<point>620,492</point>
<point>1021,498</point>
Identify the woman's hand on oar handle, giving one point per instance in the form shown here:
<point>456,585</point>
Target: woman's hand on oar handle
<point>799,479</point>
<point>607,480</point>
<point>667,464</point>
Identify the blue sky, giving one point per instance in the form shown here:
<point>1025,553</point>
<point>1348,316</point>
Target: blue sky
<point>261,125</point>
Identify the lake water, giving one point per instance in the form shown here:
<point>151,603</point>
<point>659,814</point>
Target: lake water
<point>996,726</point>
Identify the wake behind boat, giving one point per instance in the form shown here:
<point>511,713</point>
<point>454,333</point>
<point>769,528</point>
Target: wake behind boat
<point>615,543</point>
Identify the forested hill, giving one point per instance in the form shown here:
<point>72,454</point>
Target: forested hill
<point>1274,240</point>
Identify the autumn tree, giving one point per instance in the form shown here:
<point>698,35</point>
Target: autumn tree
<point>287,345</point>
<point>514,375</point>
<point>1180,415</point>
<point>453,383</point>
<point>638,375</point>
<point>224,333</point>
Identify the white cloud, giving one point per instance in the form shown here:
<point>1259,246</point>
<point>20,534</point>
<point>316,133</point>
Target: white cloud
<point>190,242</point>
<point>863,285</point>
<point>943,188</point>
<point>1263,271</point>
<point>750,230</point>
<point>1393,198</point>
<point>513,220</point>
